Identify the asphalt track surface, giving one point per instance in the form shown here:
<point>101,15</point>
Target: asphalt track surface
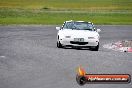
<point>29,58</point>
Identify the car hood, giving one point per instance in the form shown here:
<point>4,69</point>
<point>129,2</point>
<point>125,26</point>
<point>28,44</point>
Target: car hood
<point>79,33</point>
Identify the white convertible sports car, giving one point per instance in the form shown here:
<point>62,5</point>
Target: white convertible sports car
<point>79,34</point>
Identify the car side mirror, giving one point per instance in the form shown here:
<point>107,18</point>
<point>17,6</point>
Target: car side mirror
<point>98,30</point>
<point>58,28</point>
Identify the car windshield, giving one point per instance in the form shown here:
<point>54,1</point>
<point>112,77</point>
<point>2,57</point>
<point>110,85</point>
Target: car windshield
<point>78,26</point>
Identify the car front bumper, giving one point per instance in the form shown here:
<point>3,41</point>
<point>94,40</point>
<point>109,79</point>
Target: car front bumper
<point>86,42</point>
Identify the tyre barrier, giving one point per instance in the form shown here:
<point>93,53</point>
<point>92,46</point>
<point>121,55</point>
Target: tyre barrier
<point>122,46</point>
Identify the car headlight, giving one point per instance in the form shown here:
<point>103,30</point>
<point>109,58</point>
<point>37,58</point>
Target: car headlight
<point>91,37</point>
<point>67,36</point>
<point>96,37</point>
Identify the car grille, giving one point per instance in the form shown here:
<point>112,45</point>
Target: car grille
<point>79,43</point>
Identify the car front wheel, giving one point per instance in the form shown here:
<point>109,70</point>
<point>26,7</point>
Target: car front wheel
<point>95,48</point>
<point>59,45</point>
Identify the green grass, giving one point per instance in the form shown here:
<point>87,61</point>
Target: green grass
<point>58,11</point>
<point>69,4</point>
<point>42,17</point>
